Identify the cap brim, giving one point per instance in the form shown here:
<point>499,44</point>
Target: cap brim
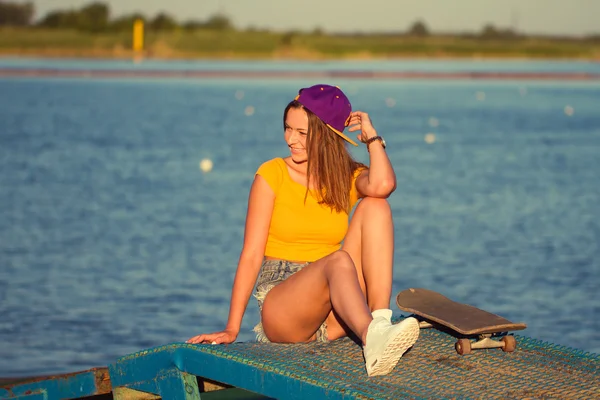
<point>346,138</point>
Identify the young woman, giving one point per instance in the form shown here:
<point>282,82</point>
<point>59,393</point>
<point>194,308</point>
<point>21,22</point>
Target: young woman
<point>310,285</point>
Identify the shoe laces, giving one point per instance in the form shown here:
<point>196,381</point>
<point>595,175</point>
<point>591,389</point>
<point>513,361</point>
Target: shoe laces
<point>381,325</point>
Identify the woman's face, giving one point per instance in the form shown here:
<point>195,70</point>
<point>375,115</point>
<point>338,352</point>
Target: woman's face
<point>296,130</point>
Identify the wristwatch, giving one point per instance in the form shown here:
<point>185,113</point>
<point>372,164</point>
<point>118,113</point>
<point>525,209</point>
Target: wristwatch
<point>374,138</point>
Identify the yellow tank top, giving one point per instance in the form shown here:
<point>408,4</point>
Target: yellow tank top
<point>301,231</point>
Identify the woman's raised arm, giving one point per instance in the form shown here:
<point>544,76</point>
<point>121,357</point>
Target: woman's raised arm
<point>380,179</point>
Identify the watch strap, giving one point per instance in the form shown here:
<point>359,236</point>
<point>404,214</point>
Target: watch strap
<point>374,138</point>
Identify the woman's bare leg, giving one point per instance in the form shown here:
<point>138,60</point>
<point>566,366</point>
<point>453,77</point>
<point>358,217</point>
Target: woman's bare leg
<point>339,283</point>
<point>370,244</point>
<point>299,305</point>
<point>293,310</point>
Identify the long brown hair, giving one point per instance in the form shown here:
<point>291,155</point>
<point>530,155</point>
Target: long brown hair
<point>330,164</point>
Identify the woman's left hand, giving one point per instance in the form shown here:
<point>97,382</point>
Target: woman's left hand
<point>223,337</point>
<point>361,121</point>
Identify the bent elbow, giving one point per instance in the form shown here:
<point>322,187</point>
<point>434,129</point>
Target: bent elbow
<point>385,188</point>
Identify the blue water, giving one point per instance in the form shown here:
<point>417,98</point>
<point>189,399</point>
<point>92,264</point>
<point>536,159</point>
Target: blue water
<point>113,240</point>
<point>406,65</point>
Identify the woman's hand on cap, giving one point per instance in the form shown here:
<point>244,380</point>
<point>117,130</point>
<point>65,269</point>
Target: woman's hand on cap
<point>361,121</point>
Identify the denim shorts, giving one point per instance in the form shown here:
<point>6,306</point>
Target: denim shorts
<point>272,273</point>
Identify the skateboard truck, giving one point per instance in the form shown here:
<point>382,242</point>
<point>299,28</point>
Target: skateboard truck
<point>508,344</point>
<point>464,346</point>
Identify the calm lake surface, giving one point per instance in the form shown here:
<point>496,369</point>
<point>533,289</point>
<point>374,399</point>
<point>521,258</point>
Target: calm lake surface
<point>112,239</point>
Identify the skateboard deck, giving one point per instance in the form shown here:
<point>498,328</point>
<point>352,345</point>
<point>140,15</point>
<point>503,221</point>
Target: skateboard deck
<point>464,319</point>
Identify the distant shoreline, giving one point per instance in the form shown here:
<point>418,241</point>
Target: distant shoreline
<point>292,55</point>
<point>203,44</point>
<point>291,74</point>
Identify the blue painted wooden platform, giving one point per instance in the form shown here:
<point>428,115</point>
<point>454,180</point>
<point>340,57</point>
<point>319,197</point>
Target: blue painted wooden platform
<point>335,370</point>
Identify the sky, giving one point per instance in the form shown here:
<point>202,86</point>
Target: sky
<point>555,17</point>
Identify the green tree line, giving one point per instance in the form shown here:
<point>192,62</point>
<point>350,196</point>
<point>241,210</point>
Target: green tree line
<point>96,17</point>
<point>15,14</point>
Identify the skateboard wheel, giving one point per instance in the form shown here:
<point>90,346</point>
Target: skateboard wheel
<point>463,346</point>
<point>510,344</point>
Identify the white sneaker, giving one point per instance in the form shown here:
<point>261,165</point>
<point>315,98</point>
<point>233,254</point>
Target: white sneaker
<point>386,342</point>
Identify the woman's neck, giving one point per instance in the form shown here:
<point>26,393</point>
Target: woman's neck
<point>297,171</point>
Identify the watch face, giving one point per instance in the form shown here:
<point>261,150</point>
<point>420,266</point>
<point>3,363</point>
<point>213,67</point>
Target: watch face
<point>383,142</point>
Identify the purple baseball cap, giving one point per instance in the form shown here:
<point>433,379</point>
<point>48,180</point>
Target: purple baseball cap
<point>330,104</point>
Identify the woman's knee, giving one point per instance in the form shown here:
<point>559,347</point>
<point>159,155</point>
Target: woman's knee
<point>340,260</point>
<point>374,205</point>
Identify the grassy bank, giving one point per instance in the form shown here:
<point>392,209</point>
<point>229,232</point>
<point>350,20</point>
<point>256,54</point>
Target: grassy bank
<point>260,44</point>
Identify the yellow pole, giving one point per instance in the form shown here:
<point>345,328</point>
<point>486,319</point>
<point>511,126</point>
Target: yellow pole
<point>138,35</point>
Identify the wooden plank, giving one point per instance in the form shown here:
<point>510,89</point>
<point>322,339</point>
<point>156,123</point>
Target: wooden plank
<point>92,382</point>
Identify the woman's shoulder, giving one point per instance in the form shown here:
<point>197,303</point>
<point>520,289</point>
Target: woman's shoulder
<point>273,171</point>
<point>274,163</point>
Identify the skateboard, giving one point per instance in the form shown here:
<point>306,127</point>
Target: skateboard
<point>436,310</point>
